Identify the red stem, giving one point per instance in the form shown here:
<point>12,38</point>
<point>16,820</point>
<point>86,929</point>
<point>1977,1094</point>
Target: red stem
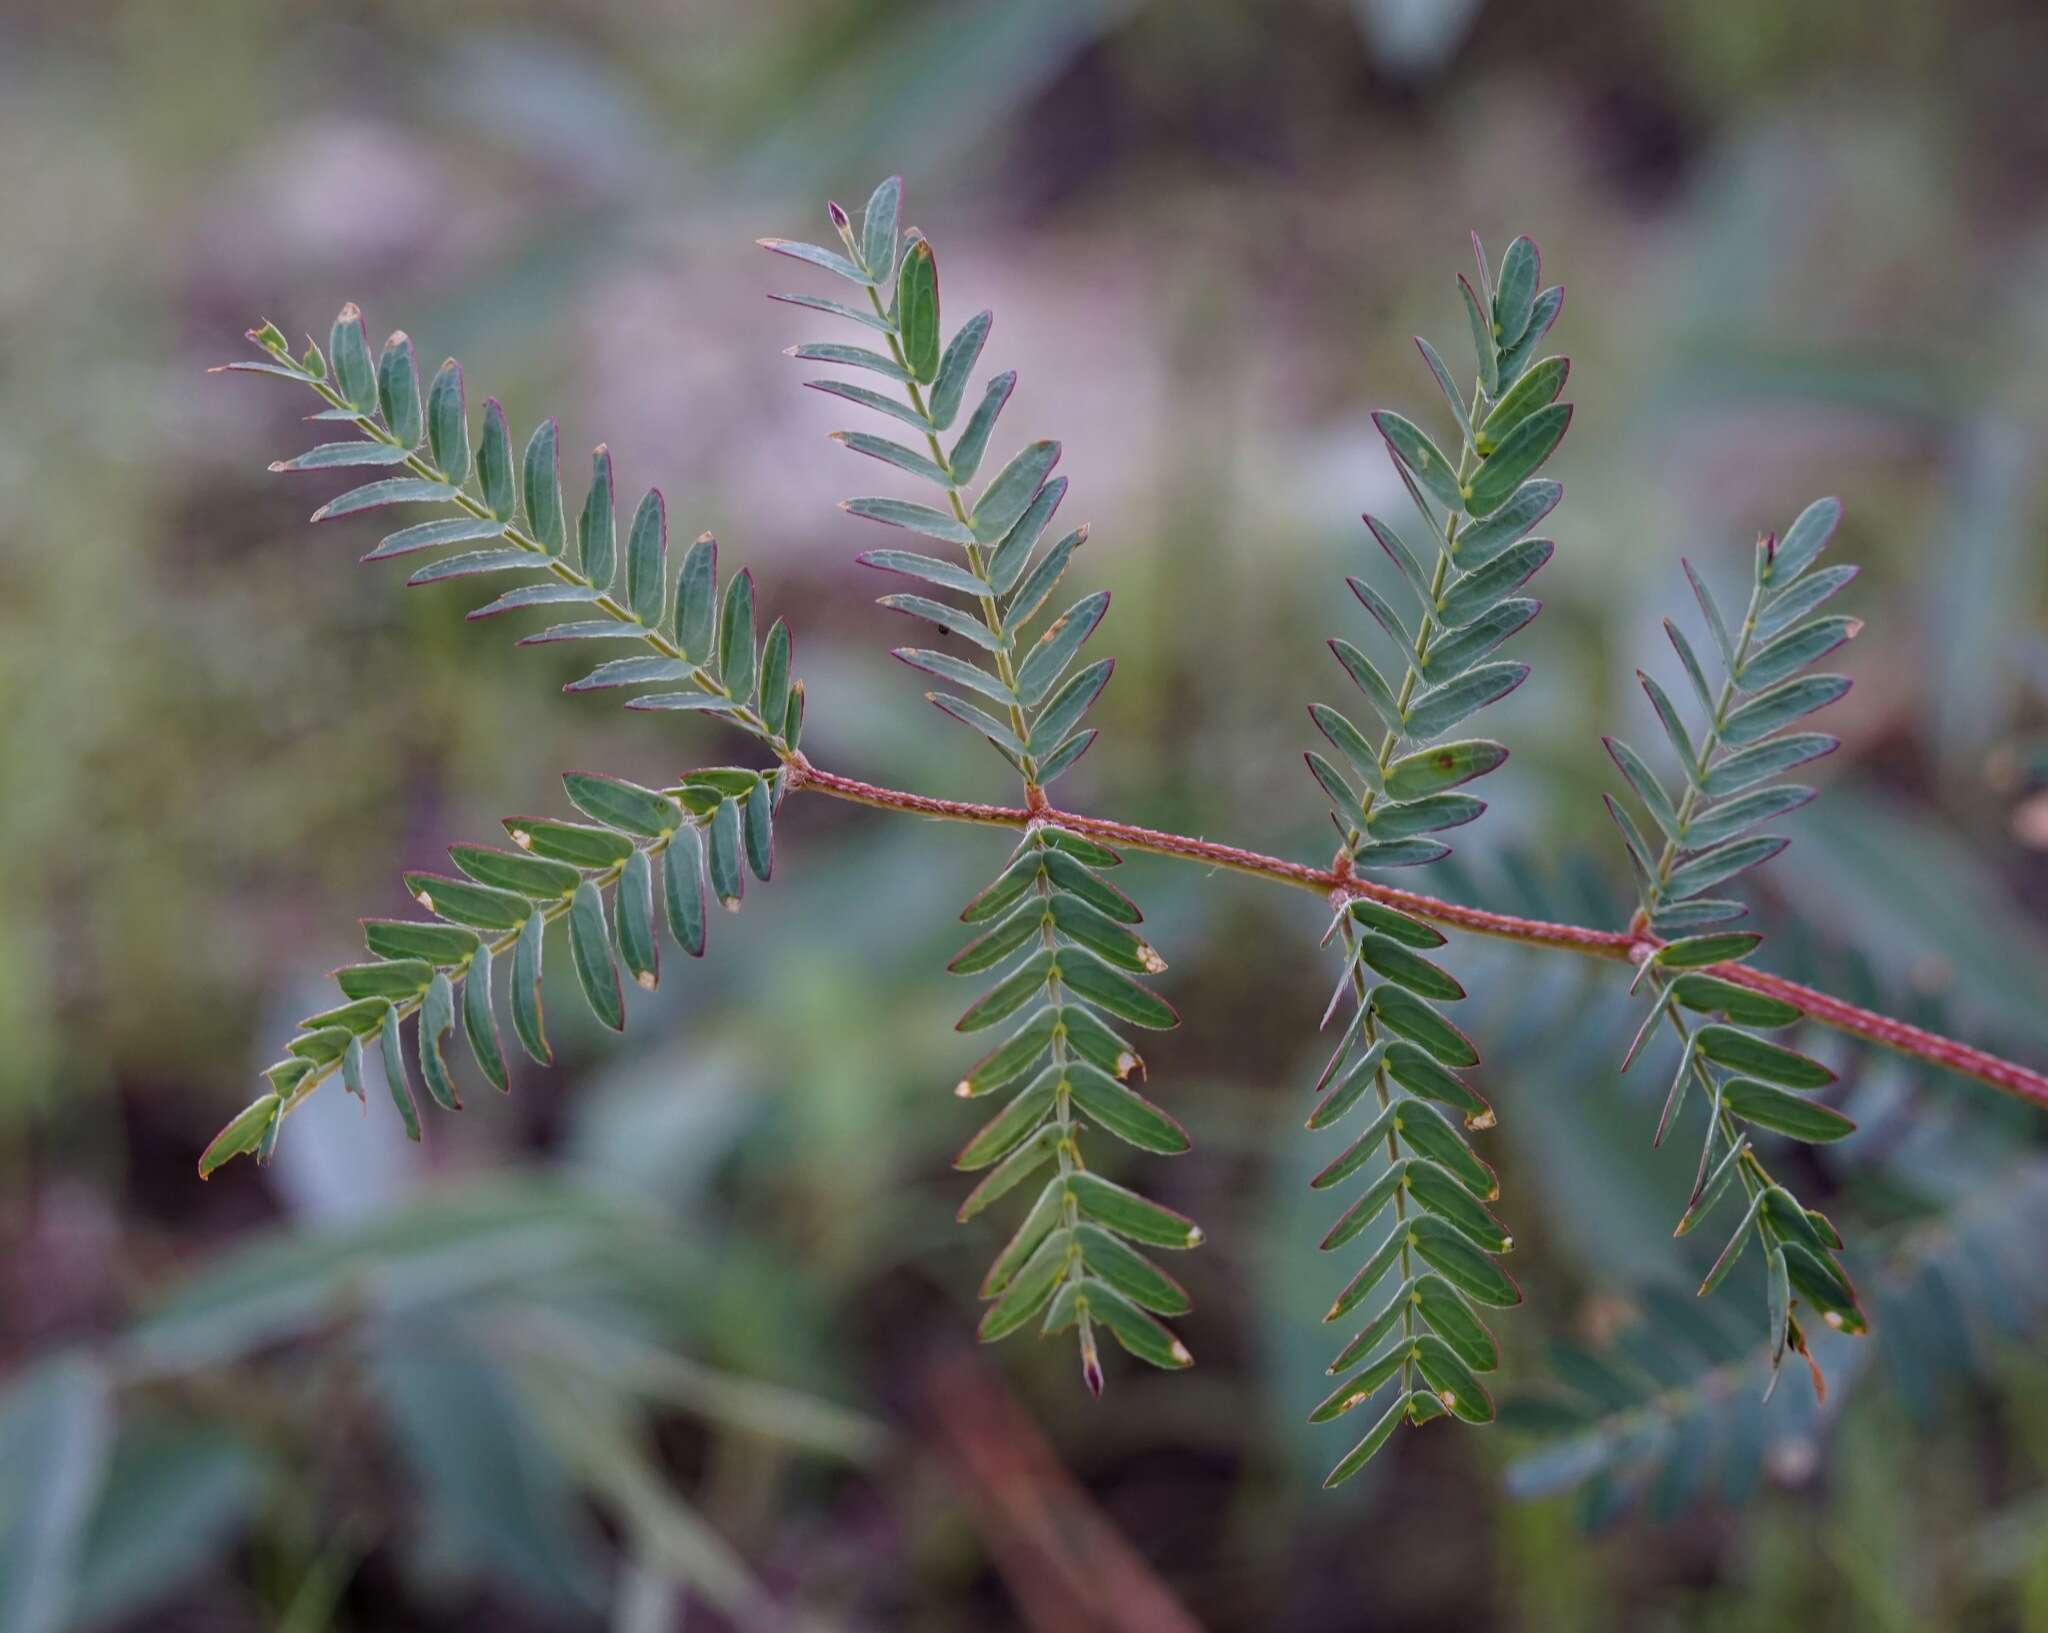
<point>1623,946</point>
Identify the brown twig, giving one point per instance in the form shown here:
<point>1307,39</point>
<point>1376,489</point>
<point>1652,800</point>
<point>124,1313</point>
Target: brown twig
<point>1068,1566</point>
<point>1622,946</point>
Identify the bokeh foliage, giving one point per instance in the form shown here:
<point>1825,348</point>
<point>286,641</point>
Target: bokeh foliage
<point>1803,248</point>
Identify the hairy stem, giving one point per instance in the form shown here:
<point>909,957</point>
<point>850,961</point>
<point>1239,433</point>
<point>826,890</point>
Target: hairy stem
<point>1622,946</point>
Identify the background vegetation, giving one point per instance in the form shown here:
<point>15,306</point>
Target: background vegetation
<point>681,1328</point>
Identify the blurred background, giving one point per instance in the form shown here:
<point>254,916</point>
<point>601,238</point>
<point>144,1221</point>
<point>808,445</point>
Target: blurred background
<point>679,1335</point>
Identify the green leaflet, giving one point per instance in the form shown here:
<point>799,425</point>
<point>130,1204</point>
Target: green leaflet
<point>893,453</point>
<point>1007,561</point>
<point>1767,760</point>
<point>1055,649</point>
<point>1373,1272</point>
<point>1515,361</point>
<point>448,424</point>
<point>1780,706</point>
<point>1783,1112</point>
<point>1130,1215</point>
<point>570,842</point>
<point>878,229</point>
<point>1003,502</point>
<point>774,686</point>
<point>434,943</point>
<point>1421,1074</point>
<point>1478,544</point>
<point>1394,924</point>
<point>1065,873</point>
<point>633,918</point>
<point>1789,606</point>
<point>1477,592</point>
<point>697,599</point>
<point>1521,452</point>
<point>1108,938</point>
<point>1130,1272</point>
<point>348,349</point>
<point>1536,389</point>
<point>494,463</point>
<point>757,831</point>
<point>1095,1042</point>
<point>1415,1020</point>
<point>1005,1177</point>
<point>852,357</point>
<point>398,391</point>
<point>1044,578</point>
<point>736,636</point>
<point>343,455</point>
<point>722,858</point>
<point>647,561</point>
<point>1447,386</point>
<point>1363,1453</point>
<point>1412,447</point>
<point>956,367</point>
<point>1696,951</point>
<point>1445,706</point>
<point>1090,978</point>
<point>1514,300</point>
<point>1136,1331</point>
<point>1674,726</point>
<point>1725,820</point>
<point>1444,1196</point>
<point>965,458</point>
<point>1739,1004</point>
<point>1063,711</point>
<point>1710,868</point>
<point>1056,764</point>
<point>1008,1129</point>
<point>917,310</point>
<point>480,1022</point>
<point>1464,1266</point>
<point>830,260</point>
<point>1803,541</point>
<point>464,903</point>
<point>1446,765</point>
<point>1028,1292</point>
<point>1351,743</point>
<point>1375,1200</point>
<point>1123,1111</point>
<point>596,525</point>
<point>395,978</point>
<point>437,1020</point>
<point>591,951</point>
<point>1731,1047</point>
<point>1010,994</point>
<point>525,875</point>
<point>244,1132</point>
<point>623,805</point>
<point>1454,1322</point>
<point>1409,969</point>
<point>1011,1058</point>
<point>682,890</point>
<point>541,479</point>
<point>525,990</point>
<point>1428,1134</point>
<point>1372,684</point>
<point>1463,648</point>
<point>916,518</point>
<point>395,1078</point>
<point>1483,346</point>
<point>1452,1381</point>
<point>374,495</point>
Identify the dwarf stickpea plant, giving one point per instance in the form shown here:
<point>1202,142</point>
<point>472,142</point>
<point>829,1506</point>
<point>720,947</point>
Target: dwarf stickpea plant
<point>1069,978</point>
